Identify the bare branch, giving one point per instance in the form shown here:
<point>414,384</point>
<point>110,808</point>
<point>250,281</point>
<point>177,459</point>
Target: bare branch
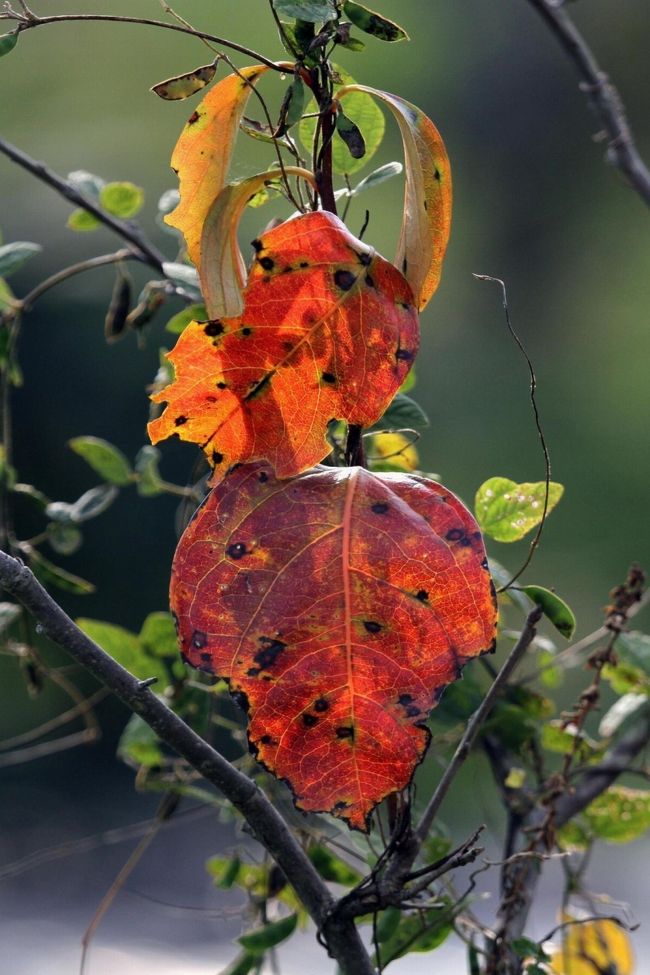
<point>143,249</point>
<point>603,97</point>
<point>265,821</point>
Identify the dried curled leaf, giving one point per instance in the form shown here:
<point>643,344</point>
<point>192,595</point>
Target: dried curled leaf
<point>338,605</point>
<point>183,85</point>
<point>329,331</point>
<point>202,154</point>
<point>427,195</point>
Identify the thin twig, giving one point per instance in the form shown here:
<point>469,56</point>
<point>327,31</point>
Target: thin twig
<point>8,744</point>
<point>124,254</point>
<point>475,723</point>
<point>27,24</point>
<point>22,755</point>
<point>602,95</point>
<point>538,424</point>
<point>128,231</point>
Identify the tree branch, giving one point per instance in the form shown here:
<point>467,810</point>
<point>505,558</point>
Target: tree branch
<point>266,823</point>
<point>144,251</point>
<point>602,95</point>
<point>28,22</point>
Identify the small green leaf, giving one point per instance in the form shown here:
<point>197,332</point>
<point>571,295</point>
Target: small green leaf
<point>182,274</point>
<point>82,220</point>
<point>372,23</point>
<point>473,960</point>
<point>625,678</point>
<point>184,85</point>
<point>7,297</point>
<point>621,714</point>
<point>65,539</point>
<point>122,199</point>
<point>525,948</point>
<point>158,635</point>
<point>363,111</point>
<point>378,176</point>
<point>634,648</point>
<point>139,744</point>
<point>351,135</point>
<point>506,511</point>
<point>93,503</point>
<point>179,322</point>
<point>86,182</point>
<point>146,467</point>
<point>120,306</point>
<point>353,44</point>
<point>9,613</point>
<point>333,868</point>
<point>243,964</point>
<point>403,414</point>
<point>125,647</point>
<point>421,931</point>
<point>619,815</point>
<point>270,935</point>
<point>563,740</point>
<point>314,11</point>
<point>229,874</point>
<point>105,459</point>
<point>555,609</point>
<point>8,42</point>
<point>295,103</point>
<point>53,575</point>
<point>13,256</point>
<point>573,836</point>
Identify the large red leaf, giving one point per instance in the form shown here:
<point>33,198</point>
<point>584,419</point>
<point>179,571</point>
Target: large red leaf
<point>338,605</point>
<point>329,331</point>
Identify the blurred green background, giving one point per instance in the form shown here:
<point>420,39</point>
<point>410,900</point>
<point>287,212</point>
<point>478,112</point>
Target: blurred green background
<point>534,205</point>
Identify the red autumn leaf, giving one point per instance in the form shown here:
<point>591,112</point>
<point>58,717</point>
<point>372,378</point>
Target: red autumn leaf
<point>338,605</point>
<point>329,331</point>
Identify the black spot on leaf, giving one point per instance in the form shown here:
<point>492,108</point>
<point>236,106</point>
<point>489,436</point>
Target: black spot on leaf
<point>263,478</point>
<point>240,700</point>
<point>379,508</point>
<point>236,551</point>
<point>246,330</point>
<point>404,355</point>
<point>321,704</point>
<point>216,457</point>
<point>422,595</point>
<point>199,640</point>
<point>345,731</point>
<point>369,281</point>
<point>328,377</point>
<point>267,263</point>
<point>257,245</point>
<point>372,626</point>
<point>222,385</point>
<point>180,420</point>
<point>365,259</point>
<point>194,117</point>
<point>455,534</point>
<point>213,328</point>
<point>309,720</point>
<point>269,652</point>
<point>344,279</point>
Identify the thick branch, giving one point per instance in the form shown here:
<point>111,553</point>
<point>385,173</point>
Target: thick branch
<point>266,823</point>
<point>128,231</point>
<point>604,98</point>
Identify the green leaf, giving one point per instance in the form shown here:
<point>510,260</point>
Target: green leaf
<point>182,274</point>
<point>314,11</point>
<point>351,135</point>
<point>270,935</point>
<point>125,647</point>
<point>53,575</point>
<point>105,459</point>
<point>122,199</point>
<point>353,44</point>
<point>178,323</point>
<point>8,42</point>
<point>619,815</point>
<point>634,648</point>
<point>86,182</point>
<point>229,874</point>
<point>624,678</point>
<point>13,256</point>
<point>82,220</point>
<point>377,176</point>
<point>473,960</point>
<point>372,23</point>
<point>184,85</point>
<point>423,931</point>
<point>243,964</point>
<point>506,511</point>
<point>7,297</point>
<point>333,868</point>
<point>555,609</point>
<point>561,740</point>
<point>388,923</point>
<point>149,481</point>
<point>573,836</point>
<point>9,613</point>
<point>409,382</point>
<point>403,413</point>
<point>363,111</point>
<point>64,538</point>
<point>139,744</point>
<point>525,948</point>
<point>93,503</point>
<point>622,714</point>
<point>295,103</point>
<point>158,635</point>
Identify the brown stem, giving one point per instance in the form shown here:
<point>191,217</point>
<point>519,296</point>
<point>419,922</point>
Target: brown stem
<point>603,96</point>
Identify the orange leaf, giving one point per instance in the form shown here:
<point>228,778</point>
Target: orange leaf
<point>427,195</point>
<point>329,331</point>
<point>222,270</point>
<point>202,154</point>
<point>338,605</point>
